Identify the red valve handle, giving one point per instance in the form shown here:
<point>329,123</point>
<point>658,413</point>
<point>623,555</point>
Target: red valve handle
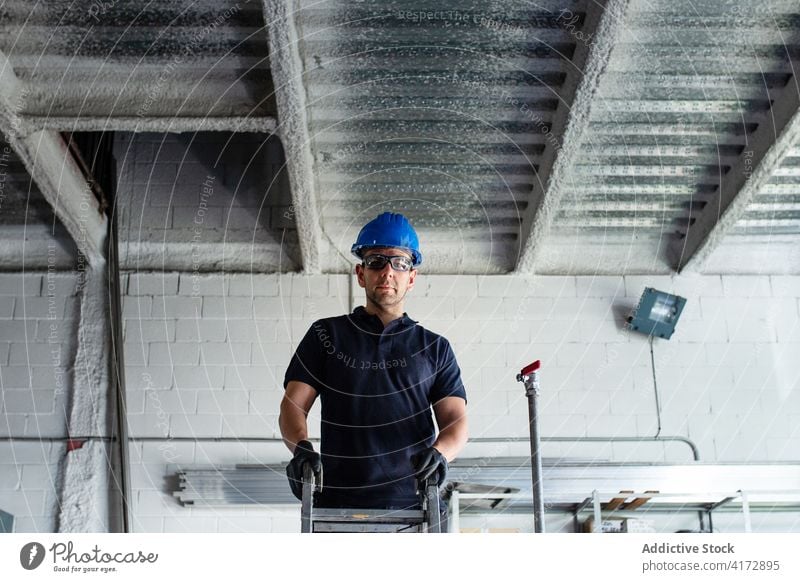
<point>531,367</point>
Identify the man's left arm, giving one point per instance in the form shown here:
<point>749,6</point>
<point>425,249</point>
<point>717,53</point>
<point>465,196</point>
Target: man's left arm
<point>451,416</point>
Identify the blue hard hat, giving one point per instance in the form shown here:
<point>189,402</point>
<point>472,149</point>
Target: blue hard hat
<point>388,230</point>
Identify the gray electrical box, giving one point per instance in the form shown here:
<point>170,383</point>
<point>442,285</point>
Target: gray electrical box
<point>6,522</point>
<point>657,313</point>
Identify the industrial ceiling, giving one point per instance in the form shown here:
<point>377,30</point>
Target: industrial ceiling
<point>549,137</point>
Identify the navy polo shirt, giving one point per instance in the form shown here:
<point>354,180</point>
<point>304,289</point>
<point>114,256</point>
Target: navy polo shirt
<point>376,387</point>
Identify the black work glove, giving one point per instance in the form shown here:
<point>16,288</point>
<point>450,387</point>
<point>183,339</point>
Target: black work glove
<point>303,453</point>
<point>430,464</point>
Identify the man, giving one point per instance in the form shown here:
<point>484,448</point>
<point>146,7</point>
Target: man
<point>377,373</point>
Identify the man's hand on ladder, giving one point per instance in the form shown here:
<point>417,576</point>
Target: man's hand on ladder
<point>430,466</point>
<point>304,453</point>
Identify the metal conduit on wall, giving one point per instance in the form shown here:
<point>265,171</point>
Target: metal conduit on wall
<point>622,439</point>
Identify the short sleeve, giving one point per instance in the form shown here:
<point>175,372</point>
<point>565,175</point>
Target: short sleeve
<point>307,363</point>
<point>448,375</point>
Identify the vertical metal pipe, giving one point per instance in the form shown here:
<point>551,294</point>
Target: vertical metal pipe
<point>434,516</point>
<point>748,524</point>
<point>536,461</point>
<point>530,377</point>
<point>598,514</point>
<point>117,364</point>
<point>455,512</point>
<point>307,508</point>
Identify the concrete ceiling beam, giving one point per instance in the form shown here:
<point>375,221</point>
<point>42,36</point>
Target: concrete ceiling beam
<point>262,124</point>
<point>604,23</point>
<point>763,154</point>
<point>51,166</point>
<point>291,99</point>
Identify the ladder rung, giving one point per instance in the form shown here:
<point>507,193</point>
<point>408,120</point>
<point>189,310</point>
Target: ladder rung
<point>372,515</point>
<point>366,527</point>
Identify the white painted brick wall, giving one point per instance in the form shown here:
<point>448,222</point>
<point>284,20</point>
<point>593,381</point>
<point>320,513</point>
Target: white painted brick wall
<point>228,308</point>
<point>144,331</point>
<point>251,426</point>
<point>163,183</point>
<point>726,379</point>
<point>785,286</point>
<point>253,285</point>
<point>7,307</point>
<point>195,425</point>
<point>747,287</point>
<point>153,284</point>
<point>38,314</point>
<point>28,477</point>
<point>202,330</point>
<point>525,309</point>
<point>225,353</point>
<point>196,284</point>
<point>174,354</point>
<point>555,332</point>
<point>165,307</point>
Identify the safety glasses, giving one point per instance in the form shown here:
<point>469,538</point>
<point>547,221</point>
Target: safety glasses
<point>377,262</point>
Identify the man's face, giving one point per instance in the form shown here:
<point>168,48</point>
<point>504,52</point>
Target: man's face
<point>386,287</point>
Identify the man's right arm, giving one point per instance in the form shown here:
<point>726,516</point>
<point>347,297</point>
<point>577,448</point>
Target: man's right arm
<point>297,400</point>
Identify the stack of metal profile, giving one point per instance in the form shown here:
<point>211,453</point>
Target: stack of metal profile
<point>268,485</point>
<point>238,485</point>
<point>566,485</point>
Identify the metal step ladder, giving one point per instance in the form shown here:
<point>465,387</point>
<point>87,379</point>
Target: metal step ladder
<point>325,520</point>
